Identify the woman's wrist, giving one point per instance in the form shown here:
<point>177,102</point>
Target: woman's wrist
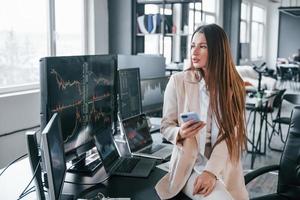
<point>179,137</point>
<point>210,174</point>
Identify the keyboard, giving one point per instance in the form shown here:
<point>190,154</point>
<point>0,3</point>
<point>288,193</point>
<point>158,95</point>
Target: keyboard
<point>163,153</point>
<point>94,164</point>
<point>127,165</point>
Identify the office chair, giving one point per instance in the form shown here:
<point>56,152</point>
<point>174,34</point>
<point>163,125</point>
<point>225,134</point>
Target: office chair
<point>279,120</point>
<point>288,186</point>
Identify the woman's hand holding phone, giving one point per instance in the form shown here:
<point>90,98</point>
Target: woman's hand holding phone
<point>190,126</point>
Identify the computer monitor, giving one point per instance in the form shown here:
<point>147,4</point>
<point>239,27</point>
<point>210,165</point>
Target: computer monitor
<point>150,65</point>
<point>54,157</point>
<point>129,93</point>
<point>152,91</point>
<point>82,89</point>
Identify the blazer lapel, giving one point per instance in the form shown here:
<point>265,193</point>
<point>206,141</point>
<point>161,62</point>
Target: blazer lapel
<point>192,99</point>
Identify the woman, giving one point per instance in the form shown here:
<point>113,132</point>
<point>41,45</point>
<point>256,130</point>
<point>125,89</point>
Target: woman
<point>205,163</point>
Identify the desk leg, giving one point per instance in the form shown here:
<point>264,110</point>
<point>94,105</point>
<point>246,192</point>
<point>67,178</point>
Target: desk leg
<point>261,115</point>
<point>266,132</point>
<point>253,141</point>
<point>260,131</point>
<point>256,146</point>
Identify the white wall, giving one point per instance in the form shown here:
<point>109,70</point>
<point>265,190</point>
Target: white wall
<point>220,6</point>
<point>272,33</point>
<point>101,27</point>
<point>18,111</point>
<point>97,27</point>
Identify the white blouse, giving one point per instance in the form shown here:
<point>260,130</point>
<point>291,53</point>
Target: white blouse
<point>204,104</point>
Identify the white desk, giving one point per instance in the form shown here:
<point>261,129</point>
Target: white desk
<point>155,120</point>
<point>13,181</point>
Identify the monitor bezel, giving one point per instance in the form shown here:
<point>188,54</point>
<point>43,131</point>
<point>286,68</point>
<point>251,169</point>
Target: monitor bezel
<point>46,113</point>
<point>54,121</point>
<point>138,147</point>
<point>153,107</point>
<point>139,91</point>
<point>108,162</point>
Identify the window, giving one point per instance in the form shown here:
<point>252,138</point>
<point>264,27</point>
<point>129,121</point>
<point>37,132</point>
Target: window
<point>244,38</point>
<point>24,38</point>
<point>210,19</point>
<point>208,15</point>
<point>257,32</point>
<point>252,30</point>
<point>69,27</point>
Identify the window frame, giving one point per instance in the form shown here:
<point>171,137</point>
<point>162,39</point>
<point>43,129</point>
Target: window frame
<point>19,88</point>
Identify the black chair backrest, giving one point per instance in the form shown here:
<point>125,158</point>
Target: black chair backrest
<point>278,98</point>
<point>289,171</point>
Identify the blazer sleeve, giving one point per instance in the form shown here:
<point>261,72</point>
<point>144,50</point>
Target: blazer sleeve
<point>218,159</point>
<point>169,124</point>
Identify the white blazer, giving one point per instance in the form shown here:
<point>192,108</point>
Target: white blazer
<point>182,95</point>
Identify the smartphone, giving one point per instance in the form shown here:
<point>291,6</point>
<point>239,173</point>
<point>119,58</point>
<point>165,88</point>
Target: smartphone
<point>190,116</point>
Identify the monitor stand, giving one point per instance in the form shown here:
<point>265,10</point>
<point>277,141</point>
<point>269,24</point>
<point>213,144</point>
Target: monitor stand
<point>86,165</point>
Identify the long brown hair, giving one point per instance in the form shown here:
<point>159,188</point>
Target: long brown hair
<point>226,89</point>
